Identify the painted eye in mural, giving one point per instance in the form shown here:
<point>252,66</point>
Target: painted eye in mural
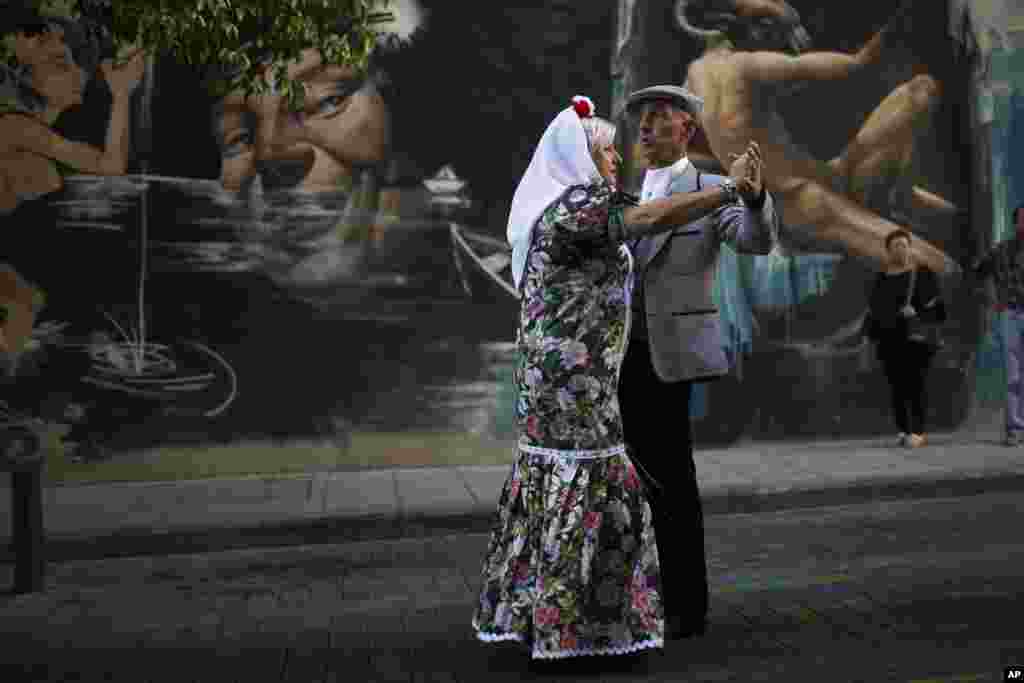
<point>237,143</point>
<point>328,106</point>
<point>337,100</point>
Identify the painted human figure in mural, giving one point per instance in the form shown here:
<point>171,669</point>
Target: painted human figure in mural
<point>20,303</point>
<point>1003,266</point>
<point>350,134</point>
<point>50,61</point>
<point>52,64</point>
<point>342,127</point>
<point>757,52</point>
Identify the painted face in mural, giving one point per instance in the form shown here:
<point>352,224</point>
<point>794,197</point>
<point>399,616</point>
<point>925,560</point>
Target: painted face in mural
<point>664,132</point>
<point>45,44</point>
<point>748,24</point>
<point>60,81</point>
<point>343,124</point>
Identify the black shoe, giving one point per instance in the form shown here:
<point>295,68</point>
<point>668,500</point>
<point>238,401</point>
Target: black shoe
<point>678,629</point>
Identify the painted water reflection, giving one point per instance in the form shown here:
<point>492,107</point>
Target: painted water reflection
<point>319,328</point>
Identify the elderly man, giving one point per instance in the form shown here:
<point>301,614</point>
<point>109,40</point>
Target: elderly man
<point>756,52</point>
<point>674,339</point>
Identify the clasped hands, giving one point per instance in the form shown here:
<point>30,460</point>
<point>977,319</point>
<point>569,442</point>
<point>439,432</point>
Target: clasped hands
<point>747,171</point>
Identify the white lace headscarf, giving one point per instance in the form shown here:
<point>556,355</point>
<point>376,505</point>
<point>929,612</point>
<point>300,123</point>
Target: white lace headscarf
<point>562,159</point>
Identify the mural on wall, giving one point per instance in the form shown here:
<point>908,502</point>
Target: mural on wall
<point>205,271</point>
<point>859,113</point>
<point>180,269</point>
<point>995,31</point>
<point>90,360</point>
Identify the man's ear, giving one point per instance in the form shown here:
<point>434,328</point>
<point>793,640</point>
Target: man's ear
<point>691,131</point>
<point>689,125</point>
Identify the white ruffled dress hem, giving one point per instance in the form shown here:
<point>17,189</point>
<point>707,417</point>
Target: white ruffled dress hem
<point>654,643</point>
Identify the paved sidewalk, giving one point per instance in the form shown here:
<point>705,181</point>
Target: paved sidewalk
<point>923,591</point>
<point>139,518</point>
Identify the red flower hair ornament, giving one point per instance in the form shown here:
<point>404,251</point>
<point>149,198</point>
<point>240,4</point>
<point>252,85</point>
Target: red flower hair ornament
<point>584,106</point>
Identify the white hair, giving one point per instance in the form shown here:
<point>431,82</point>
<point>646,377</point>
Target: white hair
<point>600,132</point>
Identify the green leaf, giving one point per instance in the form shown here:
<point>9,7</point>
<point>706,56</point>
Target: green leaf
<point>200,31</point>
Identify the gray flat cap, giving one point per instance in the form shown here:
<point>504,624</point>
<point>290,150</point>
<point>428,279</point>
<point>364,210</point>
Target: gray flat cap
<point>681,97</point>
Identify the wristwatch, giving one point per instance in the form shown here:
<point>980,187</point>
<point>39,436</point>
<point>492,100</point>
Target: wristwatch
<point>732,193</point>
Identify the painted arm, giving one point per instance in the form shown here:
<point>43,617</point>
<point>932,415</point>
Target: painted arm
<point>26,134</point>
<point>25,176</point>
<point>8,197</point>
<point>776,67</point>
<point>20,303</point>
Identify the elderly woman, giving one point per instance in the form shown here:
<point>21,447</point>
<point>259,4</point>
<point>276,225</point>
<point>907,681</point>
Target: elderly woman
<point>902,291</point>
<point>572,565</point>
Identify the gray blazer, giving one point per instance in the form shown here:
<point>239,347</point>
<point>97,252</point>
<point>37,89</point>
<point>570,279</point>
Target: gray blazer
<point>679,276</point>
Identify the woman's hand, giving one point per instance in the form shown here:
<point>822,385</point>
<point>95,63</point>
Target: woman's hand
<point>123,78</point>
<point>747,171</point>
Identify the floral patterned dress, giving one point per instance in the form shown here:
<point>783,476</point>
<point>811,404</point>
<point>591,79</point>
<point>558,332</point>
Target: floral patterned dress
<point>572,565</point>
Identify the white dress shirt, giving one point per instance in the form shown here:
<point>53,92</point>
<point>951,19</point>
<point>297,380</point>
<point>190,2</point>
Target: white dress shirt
<point>656,180</point>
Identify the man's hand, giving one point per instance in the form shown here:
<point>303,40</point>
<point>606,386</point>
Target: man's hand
<point>747,171</point>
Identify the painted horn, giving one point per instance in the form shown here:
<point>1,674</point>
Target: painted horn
<point>707,34</point>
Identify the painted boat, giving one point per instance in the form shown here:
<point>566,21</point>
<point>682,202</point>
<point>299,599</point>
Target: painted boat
<point>483,262</point>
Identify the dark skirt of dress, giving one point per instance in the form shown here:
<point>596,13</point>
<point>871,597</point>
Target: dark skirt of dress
<point>572,565</point>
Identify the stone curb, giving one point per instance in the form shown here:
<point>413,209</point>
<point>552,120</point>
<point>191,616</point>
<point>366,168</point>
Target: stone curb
<point>313,530</point>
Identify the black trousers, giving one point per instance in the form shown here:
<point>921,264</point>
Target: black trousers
<point>906,367</point>
<point>656,422</point>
